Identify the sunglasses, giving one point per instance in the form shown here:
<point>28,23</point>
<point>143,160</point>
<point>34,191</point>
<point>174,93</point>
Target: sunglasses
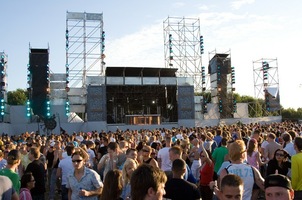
<point>77,161</point>
<point>144,150</point>
<point>279,154</point>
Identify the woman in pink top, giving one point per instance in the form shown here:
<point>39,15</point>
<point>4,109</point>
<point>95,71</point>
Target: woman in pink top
<point>27,183</point>
<point>254,159</point>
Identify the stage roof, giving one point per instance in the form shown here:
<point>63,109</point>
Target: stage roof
<point>140,72</point>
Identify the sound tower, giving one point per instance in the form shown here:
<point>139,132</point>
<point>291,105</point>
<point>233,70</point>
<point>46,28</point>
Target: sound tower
<point>39,69</point>
<point>221,93</point>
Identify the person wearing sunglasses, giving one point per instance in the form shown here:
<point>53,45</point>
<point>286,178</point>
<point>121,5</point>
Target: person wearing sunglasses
<point>280,163</point>
<point>83,181</point>
<point>146,156</point>
<point>27,183</point>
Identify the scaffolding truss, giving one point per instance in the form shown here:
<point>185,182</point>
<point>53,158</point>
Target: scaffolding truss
<point>84,46</point>
<point>266,84</point>
<point>183,48</point>
<point>4,115</point>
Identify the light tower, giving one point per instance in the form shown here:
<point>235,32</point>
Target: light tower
<point>266,84</point>
<point>85,46</point>
<point>183,47</point>
<point>3,85</point>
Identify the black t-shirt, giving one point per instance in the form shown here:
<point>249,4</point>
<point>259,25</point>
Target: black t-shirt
<point>179,189</point>
<point>36,167</point>
<point>49,157</point>
<point>273,165</point>
<point>102,150</point>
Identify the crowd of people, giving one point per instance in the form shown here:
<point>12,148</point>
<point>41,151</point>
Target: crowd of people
<point>240,161</point>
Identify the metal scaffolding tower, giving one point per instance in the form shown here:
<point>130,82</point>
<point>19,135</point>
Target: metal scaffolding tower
<point>183,47</point>
<point>3,87</point>
<point>266,83</point>
<point>84,46</point>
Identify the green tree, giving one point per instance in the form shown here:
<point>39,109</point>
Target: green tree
<point>291,113</point>
<point>17,97</point>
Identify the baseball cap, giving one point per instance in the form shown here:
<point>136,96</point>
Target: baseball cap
<point>277,180</point>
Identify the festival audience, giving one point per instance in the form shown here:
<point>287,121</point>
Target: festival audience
<point>166,145</point>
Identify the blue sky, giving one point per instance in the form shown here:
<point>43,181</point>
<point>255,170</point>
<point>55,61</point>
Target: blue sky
<point>251,29</point>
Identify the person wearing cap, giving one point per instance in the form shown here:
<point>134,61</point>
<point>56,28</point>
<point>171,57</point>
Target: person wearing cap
<point>278,187</point>
<point>13,161</point>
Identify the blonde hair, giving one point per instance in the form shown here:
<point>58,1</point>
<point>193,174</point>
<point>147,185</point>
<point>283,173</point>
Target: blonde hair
<point>236,149</point>
<point>126,178</point>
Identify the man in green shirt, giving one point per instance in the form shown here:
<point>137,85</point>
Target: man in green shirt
<point>13,161</point>
<point>219,154</point>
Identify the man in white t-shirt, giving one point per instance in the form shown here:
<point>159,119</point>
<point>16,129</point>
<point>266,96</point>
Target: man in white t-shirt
<point>163,159</point>
<point>65,167</point>
<point>289,145</point>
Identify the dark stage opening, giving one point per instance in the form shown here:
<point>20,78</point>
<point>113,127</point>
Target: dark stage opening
<point>141,104</point>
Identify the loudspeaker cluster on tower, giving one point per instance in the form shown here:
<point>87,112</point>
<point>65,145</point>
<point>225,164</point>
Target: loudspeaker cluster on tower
<point>222,77</point>
<point>38,79</point>
<point>3,84</point>
<point>266,84</point>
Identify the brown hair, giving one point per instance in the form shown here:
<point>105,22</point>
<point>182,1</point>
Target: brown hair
<point>144,177</point>
<point>176,150</point>
<point>81,152</point>
<point>35,151</point>
<point>112,185</point>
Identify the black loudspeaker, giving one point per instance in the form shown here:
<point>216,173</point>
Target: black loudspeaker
<point>39,69</point>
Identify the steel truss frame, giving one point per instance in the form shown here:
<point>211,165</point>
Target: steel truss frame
<point>84,46</point>
<point>186,53</point>
<point>262,85</point>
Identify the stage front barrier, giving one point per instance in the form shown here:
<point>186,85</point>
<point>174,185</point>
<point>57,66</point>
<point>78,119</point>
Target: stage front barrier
<point>143,119</point>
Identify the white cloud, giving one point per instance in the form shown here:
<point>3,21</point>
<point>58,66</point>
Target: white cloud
<point>179,4</point>
<point>239,3</point>
<point>203,7</point>
<point>250,37</point>
<point>141,49</point>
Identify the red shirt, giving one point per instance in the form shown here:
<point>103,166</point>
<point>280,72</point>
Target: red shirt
<point>206,174</point>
